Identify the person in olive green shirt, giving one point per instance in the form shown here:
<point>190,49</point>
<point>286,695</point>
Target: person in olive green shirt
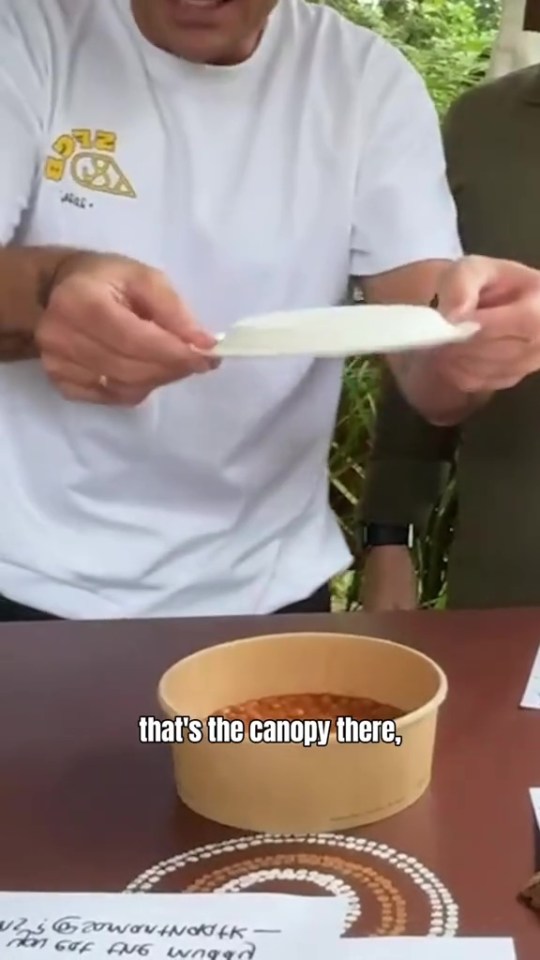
<point>492,137</point>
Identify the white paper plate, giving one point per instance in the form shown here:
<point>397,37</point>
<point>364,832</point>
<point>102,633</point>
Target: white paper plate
<point>340,332</point>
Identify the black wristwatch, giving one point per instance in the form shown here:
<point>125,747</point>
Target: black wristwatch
<point>386,535</point>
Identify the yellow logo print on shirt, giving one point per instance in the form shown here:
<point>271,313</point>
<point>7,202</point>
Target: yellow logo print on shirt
<point>88,157</point>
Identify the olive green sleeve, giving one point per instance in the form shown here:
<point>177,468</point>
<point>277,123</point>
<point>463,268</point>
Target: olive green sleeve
<point>410,460</point>
<point>408,465</point>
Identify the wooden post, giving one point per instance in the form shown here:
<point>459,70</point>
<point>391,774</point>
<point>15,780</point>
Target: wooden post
<point>518,41</point>
<point>532,16</point>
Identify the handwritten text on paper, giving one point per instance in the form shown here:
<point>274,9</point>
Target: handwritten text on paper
<point>161,926</point>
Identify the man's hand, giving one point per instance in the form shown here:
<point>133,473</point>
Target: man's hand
<point>504,299</point>
<point>113,330</point>
<point>447,384</point>
<point>389,580</point>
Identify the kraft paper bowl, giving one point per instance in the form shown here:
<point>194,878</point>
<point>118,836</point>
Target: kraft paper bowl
<point>290,788</point>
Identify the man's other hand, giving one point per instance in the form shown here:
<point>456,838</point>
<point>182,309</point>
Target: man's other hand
<point>113,330</point>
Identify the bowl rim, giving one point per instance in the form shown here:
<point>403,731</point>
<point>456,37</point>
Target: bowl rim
<point>430,707</point>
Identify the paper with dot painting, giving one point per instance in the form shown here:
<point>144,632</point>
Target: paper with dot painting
<point>387,892</point>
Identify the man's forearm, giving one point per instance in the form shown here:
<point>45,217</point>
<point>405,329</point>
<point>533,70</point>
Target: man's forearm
<point>438,402</point>
<point>27,275</point>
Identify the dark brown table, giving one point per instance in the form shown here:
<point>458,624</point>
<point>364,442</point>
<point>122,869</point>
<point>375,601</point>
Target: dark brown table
<point>85,806</point>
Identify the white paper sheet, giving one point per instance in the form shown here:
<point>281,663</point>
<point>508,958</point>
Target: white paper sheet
<point>535,800</point>
<point>412,948</point>
<point>341,332</point>
<point>164,926</point>
<point>531,697</point>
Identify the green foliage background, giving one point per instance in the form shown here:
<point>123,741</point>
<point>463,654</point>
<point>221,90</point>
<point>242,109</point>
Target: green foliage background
<point>449,42</point>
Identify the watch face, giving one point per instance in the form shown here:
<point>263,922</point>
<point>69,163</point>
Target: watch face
<point>387,535</point>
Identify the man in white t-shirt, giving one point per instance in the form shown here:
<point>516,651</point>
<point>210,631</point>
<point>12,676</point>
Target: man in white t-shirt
<point>216,159</point>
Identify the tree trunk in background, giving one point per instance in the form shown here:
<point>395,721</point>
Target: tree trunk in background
<point>518,41</point>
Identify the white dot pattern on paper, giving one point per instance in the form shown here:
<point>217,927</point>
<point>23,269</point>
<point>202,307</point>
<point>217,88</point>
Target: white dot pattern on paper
<point>444,911</point>
<point>325,881</point>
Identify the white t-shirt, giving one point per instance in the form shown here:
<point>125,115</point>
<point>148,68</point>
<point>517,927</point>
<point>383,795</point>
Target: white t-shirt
<point>256,187</point>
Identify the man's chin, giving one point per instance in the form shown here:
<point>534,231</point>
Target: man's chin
<point>201,31</point>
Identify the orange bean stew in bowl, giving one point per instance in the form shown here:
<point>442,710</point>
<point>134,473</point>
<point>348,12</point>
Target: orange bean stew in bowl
<point>310,706</point>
